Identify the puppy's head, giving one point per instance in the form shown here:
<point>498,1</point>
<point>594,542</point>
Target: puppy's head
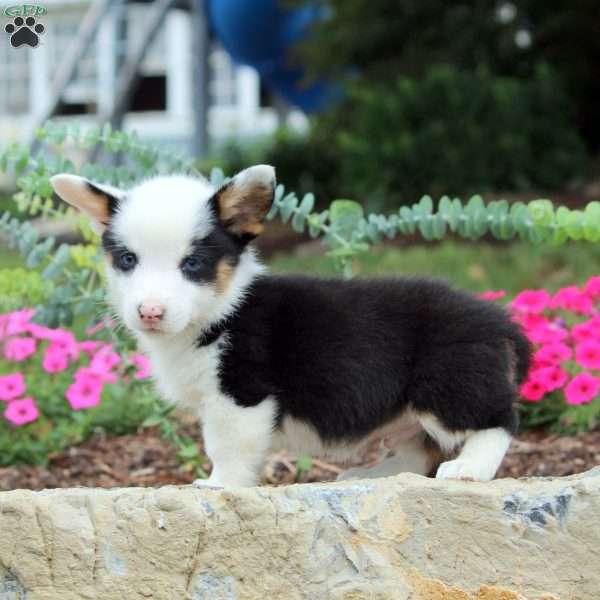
<point>176,248</point>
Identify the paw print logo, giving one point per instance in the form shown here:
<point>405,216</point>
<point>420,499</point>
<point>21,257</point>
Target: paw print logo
<point>24,31</point>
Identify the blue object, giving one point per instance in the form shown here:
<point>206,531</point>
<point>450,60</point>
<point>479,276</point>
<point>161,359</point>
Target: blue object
<point>260,33</point>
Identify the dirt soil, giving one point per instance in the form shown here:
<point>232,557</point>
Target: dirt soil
<point>145,459</point>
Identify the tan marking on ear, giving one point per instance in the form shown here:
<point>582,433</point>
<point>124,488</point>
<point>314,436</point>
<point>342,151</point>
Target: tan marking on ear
<point>243,207</point>
<point>78,192</point>
<point>224,275</point>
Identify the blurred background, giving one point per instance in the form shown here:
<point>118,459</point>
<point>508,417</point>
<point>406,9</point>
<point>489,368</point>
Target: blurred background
<point>381,101</point>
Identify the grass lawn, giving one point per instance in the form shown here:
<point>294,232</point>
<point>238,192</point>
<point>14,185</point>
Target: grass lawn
<point>475,266</point>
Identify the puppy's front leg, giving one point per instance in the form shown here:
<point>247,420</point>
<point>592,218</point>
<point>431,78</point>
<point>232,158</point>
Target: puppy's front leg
<point>236,439</point>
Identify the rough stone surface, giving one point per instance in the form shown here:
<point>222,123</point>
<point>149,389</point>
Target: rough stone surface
<point>400,538</point>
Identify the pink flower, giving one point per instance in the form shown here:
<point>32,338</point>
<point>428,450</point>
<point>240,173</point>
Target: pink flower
<point>592,287</point>
<point>19,348</point>
<point>551,378</point>
<point>582,388</point>
<point>588,330</point>
<point>531,301</point>
<point>552,354</point>
<point>143,364</point>
<point>23,411</point>
<point>39,331</point>
<point>532,390</point>
<point>571,298</point>
<point>492,295</point>
<point>89,374</point>
<point>89,347</point>
<point>587,354</point>
<point>65,342</point>
<point>84,393</point>
<point>547,334</point>
<point>531,321</point>
<point>17,321</point>
<point>11,386</point>
<point>105,359</point>
<point>54,361</point>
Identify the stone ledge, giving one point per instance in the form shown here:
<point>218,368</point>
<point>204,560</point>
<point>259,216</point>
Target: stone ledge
<point>400,538</point>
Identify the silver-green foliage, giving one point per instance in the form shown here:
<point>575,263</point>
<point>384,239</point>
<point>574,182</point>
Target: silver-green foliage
<point>76,273</point>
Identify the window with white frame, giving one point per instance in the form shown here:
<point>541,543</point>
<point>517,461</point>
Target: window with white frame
<point>222,83</point>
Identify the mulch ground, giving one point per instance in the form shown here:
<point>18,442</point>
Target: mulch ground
<point>144,459</point>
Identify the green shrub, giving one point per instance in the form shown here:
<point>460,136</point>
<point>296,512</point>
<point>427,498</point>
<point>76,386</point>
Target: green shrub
<point>453,132</point>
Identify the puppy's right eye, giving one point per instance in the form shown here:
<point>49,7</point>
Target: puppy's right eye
<point>127,261</point>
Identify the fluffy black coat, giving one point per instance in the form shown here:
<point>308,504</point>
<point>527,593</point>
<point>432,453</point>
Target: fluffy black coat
<point>349,356</point>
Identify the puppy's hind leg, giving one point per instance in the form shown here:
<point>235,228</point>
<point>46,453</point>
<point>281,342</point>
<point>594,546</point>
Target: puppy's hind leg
<point>480,455</point>
<point>236,440</point>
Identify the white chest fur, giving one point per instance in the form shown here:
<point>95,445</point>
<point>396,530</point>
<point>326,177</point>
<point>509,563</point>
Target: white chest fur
<point>184,374</point>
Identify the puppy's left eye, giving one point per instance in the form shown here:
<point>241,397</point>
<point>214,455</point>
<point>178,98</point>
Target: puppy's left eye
<point>190,264</point>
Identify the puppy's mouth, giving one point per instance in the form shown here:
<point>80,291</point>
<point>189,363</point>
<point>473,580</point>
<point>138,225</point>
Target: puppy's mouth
<point>152,329</point>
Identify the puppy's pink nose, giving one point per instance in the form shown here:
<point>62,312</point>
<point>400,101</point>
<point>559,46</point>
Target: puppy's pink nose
<point>151,312</point>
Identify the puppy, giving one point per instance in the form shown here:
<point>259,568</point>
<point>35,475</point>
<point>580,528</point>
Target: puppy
<point>319,366</point>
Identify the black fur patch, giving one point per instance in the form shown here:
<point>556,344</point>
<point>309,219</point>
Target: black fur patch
<point>209,251</point>
<point>115,247</point>
<point>349,356</point>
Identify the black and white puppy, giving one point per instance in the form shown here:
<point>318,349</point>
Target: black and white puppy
<point>319,366</point>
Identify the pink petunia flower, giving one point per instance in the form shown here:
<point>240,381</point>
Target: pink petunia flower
<point>531,321</point>
<point>571,298</point>
<point>551,378</point>
<point>552,354</point>
<point>592,287</point>
<point>532,390</point>
<point>23,411</point>
<point>143,365</point>
<point>11,386</point>
<point>19,348</point>
<point>582,389</point>
<point>587,354</point>
<point>531,301</point>
<point>547,334</point>
<point>105,359</point>
<point>65,342</point>
<point>39,331</point>
<point>87,373</point>
<point>588,330</point>
<point>17,321</point>
<point>54,361</point>
<point>492,295</point>
<point>89,347</point>
<point>84,393</point>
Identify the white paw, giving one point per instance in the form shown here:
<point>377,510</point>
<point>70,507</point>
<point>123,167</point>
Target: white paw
<point>466,470</point>
<point>207,483</point>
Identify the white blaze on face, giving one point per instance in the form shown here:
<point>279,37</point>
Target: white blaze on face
<point>157,222</point>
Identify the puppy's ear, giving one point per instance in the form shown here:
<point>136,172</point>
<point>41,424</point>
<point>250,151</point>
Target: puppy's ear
<point>98,201</point>
<point>243,203</point>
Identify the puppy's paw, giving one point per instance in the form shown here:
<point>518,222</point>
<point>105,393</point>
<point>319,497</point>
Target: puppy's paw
<point>207,483</point>
<point>465,470</point>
